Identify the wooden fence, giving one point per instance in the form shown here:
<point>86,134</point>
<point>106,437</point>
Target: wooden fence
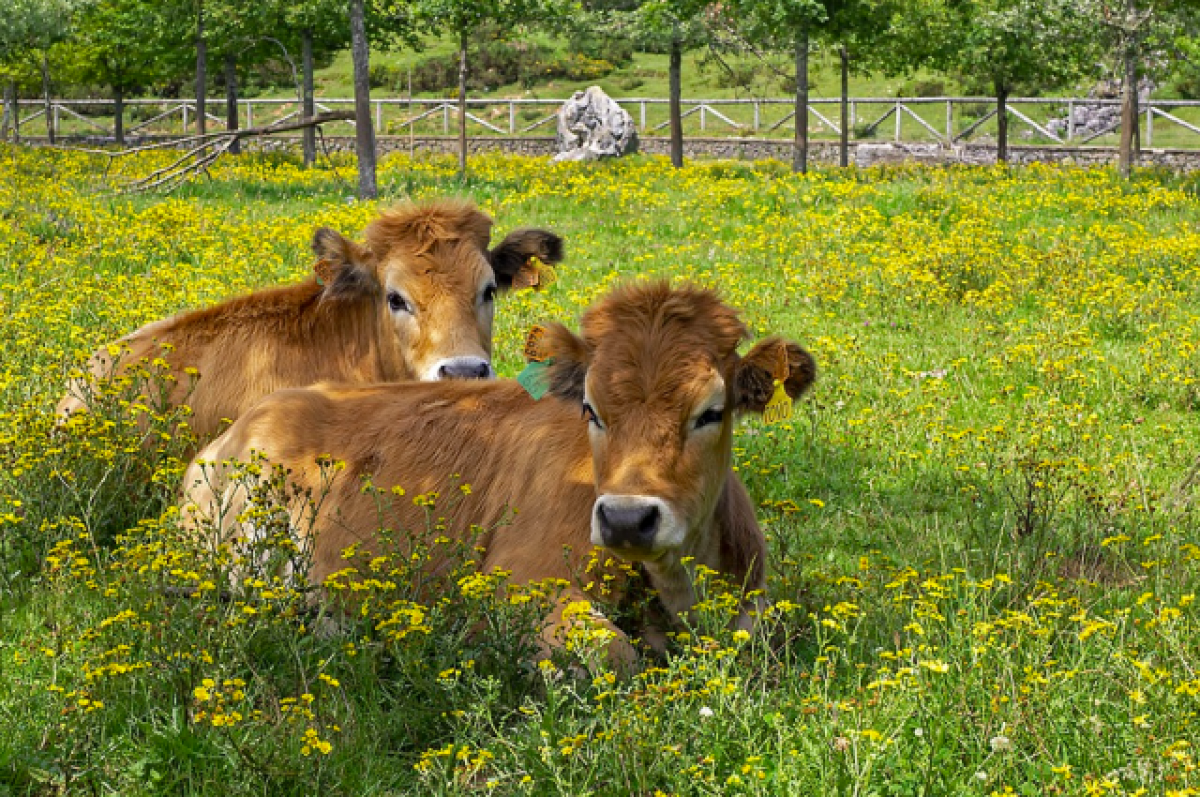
<point>943,120</point>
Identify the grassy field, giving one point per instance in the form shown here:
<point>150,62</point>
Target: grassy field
<point>984,520</point>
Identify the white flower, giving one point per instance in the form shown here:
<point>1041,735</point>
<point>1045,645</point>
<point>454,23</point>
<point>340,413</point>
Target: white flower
<point>981,775</point>
<point>918,732</point>
<point>1000,744</point>
<point>705,712</point>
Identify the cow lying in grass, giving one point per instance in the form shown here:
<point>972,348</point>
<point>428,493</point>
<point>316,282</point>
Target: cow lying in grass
<point>416,302</point>
<point>630,450</point>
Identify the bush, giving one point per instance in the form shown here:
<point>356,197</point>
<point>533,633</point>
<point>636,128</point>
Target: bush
<point>492,64</point>
<point>616,51</point>
<point>922,88</point>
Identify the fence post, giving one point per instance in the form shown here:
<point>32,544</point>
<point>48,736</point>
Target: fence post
<point>643,104</point>
<point>512,118</point>
<point>897,139</point>
<point>950,122</point>
<point>1149,125</point>
<point>379,116</point>
<point>58,107</point>
<point>185,119</point>
<point>756,122</point>
<point>1070,119</point>
<point>249,114</point>
<point>703,108</point>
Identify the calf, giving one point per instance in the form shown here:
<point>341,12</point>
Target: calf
<point>630,450</point>
<point>416,302</point>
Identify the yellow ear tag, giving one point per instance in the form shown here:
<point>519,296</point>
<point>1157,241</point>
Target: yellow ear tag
<point>779,408</point>
<point>547,276</point>
<point>324,271</point>
<point>535,352</point>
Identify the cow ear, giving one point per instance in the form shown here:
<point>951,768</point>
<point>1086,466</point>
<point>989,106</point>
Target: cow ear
<point>568,357</point>
<point>771,359</point>
<point>344,267</point>
<point>511,259</point>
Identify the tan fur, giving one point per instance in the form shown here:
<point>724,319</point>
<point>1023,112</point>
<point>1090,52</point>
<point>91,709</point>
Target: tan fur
<point>652,355</point>
<point>435,255</point>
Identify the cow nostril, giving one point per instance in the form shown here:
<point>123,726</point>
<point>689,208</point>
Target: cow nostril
<point>649,523</point>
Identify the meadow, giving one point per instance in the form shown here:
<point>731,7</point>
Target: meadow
<point>984,519</point>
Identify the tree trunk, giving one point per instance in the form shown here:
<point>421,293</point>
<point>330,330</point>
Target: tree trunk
<point>800,146</point>
<point>1001,124</point>
<point>364,139</point>
<point>462,104</point>
<point>1129,103</point>
<point>675,90</point>
<point>8,105</point>
<point>46,96</point>
<point>844,139</point>
<point>231,100</point>
<point>201,72</point>
<point>310,134</point>
<point>119,115</point>
<point>16,110</point>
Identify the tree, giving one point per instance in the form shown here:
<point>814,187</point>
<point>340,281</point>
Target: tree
<point>319,26</point>
<point>364,133</point>
<point>677,25</point>
<point>791,24</point>
<point>463,19</point>
<point>1134,29</point>
<point>28,30</point>
<point>1029,45</point>
<point>115,48</point>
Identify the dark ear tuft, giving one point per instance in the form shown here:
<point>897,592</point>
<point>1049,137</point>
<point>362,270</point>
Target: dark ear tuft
<point>511,255</point>
<point>345,268</point>
<point>755,375</point>
<point>571,356</point>
<point>327,242</point>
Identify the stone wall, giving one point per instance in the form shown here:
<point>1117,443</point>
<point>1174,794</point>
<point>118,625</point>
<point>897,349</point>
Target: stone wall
<point>862,153</point>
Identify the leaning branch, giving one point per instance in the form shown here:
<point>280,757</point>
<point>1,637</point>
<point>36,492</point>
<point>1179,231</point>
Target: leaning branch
<point>208,148</point>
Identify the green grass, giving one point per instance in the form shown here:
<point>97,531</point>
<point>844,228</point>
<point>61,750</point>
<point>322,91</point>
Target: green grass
<point>983,538</point>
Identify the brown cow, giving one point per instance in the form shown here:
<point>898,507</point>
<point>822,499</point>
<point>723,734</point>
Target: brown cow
<point>416,302</point>
<point>630,450</point>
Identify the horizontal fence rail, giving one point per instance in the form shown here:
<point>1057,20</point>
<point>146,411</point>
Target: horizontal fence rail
<point>941,120</point>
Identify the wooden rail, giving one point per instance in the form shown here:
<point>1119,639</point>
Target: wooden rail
<point>944,120</point>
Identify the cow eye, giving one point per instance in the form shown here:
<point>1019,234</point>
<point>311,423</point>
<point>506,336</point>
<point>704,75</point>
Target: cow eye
<point>397,304</point>
<point>710,416</point>
<point>590,414</point>
<point>489,294</point>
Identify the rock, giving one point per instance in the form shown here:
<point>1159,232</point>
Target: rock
<point>591,125</point>
<point>879,154</point>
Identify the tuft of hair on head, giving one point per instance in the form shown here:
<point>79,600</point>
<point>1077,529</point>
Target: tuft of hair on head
<point>418,227</point>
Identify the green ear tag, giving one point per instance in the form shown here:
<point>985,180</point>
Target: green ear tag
<point>536,378</point>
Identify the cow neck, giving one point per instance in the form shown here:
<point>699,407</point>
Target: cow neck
<point>672,579</point>
<point>352,326</point>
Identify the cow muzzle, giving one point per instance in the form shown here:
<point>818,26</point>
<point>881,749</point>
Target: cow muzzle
<point>460,368</point>
<point>634,526</point>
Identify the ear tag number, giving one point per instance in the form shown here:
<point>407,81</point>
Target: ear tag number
<point>534,351</point>
<point>536,378</point>
<point>324,271</point>
<point>779,408</point>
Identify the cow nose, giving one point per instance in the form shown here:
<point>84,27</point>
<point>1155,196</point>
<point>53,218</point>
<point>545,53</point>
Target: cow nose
<point>628,524</point>
<point>464,368</point>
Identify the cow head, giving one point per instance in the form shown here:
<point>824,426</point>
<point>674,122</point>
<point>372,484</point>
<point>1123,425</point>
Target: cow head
<point>432,280</point>
<point>659,380</point>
